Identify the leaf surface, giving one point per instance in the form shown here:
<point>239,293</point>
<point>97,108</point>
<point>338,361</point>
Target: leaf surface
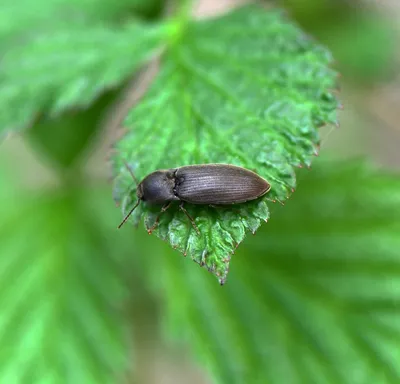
<point>248,89</point>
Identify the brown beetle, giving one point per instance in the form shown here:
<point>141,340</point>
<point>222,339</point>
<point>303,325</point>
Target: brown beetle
<point>210,184</point>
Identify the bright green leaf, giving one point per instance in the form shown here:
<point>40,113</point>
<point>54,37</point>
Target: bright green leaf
<point>314,298</point>
<point>62,290</point>
<point>65,68</point>
<point>248,89</point>
<point>24,16</point>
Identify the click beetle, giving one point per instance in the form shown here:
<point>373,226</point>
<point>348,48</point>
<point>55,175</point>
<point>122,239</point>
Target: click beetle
<point>208,184</point>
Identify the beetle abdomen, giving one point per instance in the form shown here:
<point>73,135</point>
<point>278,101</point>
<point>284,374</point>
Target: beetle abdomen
<point>218,184</point>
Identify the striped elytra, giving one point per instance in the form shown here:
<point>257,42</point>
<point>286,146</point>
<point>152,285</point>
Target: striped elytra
<point>218,184</point>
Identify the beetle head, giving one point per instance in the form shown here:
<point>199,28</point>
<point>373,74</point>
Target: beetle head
<point>158,187</point>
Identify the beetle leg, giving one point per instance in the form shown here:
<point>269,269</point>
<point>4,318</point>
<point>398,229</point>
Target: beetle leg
<point>183,209</point>
<point>163,209</point>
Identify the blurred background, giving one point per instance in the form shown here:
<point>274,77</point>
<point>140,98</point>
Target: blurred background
<point>364,38</point>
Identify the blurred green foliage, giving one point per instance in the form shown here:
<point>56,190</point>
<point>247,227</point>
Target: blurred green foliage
<point>53,140</point>
<point>62,288</point>
<point>313,297</point>
<point>360,37</point>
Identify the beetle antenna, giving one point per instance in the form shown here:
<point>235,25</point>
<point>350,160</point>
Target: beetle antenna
<point>130,213</point>
<point>131,172</point>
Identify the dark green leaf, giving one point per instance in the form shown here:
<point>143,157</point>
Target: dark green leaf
<point>248,89</point>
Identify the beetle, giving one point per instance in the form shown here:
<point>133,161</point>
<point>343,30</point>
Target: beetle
<point>207,184</point>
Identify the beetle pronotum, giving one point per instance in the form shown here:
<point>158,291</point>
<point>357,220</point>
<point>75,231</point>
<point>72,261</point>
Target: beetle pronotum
<point>208,184</point>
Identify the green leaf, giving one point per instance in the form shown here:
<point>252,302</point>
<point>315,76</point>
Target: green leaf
<point>314,298</point>
<point>248,89</point>
<point>62,287</point>
<point>65,68</point>
<point>24,16</point>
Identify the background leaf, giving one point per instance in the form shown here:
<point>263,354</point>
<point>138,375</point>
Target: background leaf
<point>313,298</point>
<point>65,68</point>
<point>62,290</point>
<point>248,89</point>
<point>22,17</point>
